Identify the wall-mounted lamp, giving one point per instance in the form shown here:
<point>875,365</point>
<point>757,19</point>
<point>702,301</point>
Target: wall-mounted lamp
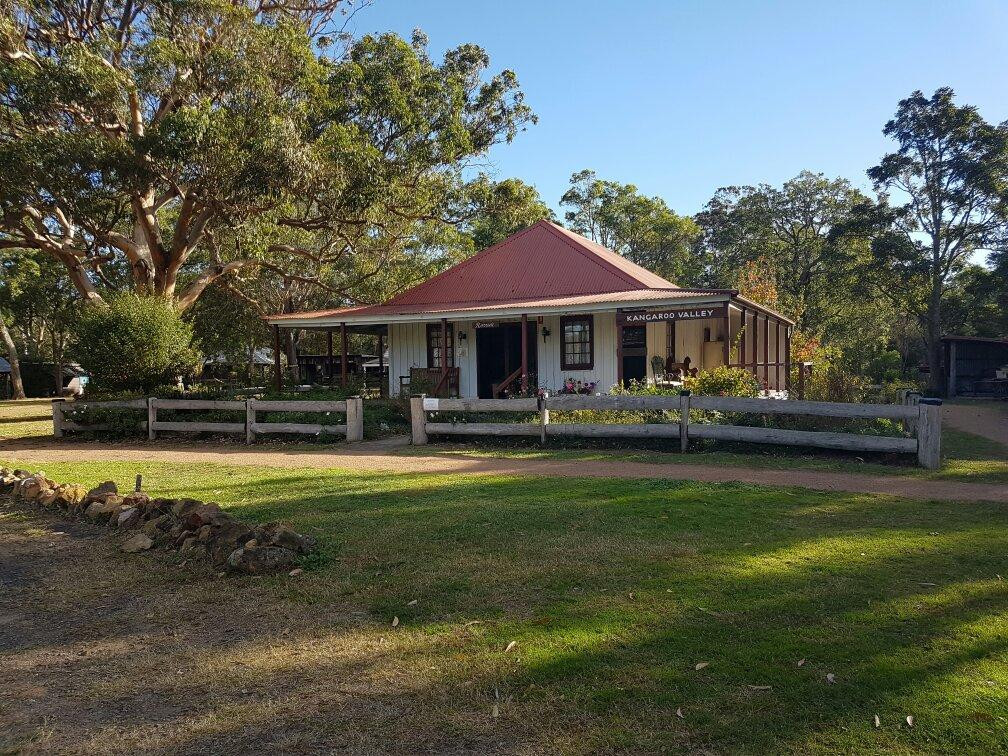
<point>462,336</point>
<point>545,333</point>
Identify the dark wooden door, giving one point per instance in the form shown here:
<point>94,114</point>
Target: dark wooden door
<point>634,353</point>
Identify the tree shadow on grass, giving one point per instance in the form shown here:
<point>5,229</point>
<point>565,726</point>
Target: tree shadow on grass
<point>613,591</point>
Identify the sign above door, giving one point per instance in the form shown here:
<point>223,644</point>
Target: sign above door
<point>663,316</point>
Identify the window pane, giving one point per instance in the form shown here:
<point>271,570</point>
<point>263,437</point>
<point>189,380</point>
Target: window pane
<point>577,343</point>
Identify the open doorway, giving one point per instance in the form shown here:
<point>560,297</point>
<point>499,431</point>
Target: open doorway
<point>498,355</point>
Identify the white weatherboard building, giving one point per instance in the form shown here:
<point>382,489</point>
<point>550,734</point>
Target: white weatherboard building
<point>546,307</point>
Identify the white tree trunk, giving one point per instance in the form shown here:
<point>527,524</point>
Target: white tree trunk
<point>12,358</point>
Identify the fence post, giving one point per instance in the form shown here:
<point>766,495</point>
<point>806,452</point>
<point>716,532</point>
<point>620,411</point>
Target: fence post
<point>418,419</point>
<point>543,416</point>
<point>910,399</point>
<point>250,415</point>
<point>354,419</point>
<point>684,409</point>
<point>929,433</point>
<point>151,417</point>
<point>57,417</point>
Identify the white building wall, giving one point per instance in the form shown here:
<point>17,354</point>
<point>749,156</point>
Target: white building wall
<point>551,376</point>
<point>408,348</point>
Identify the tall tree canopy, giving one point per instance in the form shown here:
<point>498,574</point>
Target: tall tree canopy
<point>642,229</point>
<point>787,229</point>
<point>162,145</point>
<point>943,196</point>
<point>505,208</point>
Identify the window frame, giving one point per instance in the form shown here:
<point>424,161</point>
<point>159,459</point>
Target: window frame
<point>568,319</point>
<point>434,330</point>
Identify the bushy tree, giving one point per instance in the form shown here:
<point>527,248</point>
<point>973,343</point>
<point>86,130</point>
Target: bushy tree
<point>642,229</point>
<point>162,145</point>
<point>943,196</point>
<point>787,232</point>
<point>502,209</point>
<point>134,343</point>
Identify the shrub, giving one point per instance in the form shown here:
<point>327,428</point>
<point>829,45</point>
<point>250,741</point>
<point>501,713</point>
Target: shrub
<point>724,381</point>
<point>134,343</point>
<point>831,383</point>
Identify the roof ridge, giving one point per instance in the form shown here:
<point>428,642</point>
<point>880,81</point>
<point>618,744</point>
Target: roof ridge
<point>565,234</point>
<point>462,263</point>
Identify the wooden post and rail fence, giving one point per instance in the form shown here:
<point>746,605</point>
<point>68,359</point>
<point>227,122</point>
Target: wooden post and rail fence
<point>921,418</point>
<point>249,426</point>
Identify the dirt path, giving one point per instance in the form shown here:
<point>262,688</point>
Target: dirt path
<point>987,419</point>
<point>381,456</point>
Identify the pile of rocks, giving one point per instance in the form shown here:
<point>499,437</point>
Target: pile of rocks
<point>192,527</point>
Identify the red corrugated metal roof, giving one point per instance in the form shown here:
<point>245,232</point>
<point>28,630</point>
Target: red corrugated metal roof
<point>541,262</point>
<point>543,267</point>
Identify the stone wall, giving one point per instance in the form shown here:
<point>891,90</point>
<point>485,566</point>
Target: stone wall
<point>189,526</point>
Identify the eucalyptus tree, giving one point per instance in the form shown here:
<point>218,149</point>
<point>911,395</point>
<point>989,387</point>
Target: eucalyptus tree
<point>789,230</point>
<point>163,145</point>
<point>642,229</point>
<point>503,208</point>
<point>943,197</point>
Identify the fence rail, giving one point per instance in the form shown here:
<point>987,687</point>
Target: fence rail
<point>921,418</point>
<point>249,426</point>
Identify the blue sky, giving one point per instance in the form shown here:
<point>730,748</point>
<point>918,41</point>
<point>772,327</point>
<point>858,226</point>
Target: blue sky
<point>681,98</point>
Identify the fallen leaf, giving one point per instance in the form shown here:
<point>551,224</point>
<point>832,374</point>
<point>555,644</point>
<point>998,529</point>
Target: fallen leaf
<point>878,722</point>
<point>759,687</point>
<point>801,662</point>
<point>910,720</point>
<point>701,665</point>
<point>295,572</point>
<point>678,713</point>
<point>496,710</point>
<point>510,645</point>
<point>831,678</point>
<point>395,622</point>
<point>412,603</point>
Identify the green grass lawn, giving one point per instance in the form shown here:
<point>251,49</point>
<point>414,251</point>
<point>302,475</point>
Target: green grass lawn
<point>25,418</point>
<point>615,591</point>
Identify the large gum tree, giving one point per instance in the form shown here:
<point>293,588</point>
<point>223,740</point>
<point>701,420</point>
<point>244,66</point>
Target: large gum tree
<point>164,145</point>
<point>943,197</point>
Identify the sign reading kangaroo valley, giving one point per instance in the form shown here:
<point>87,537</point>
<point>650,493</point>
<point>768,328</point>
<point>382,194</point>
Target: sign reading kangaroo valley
<point>661,316</point>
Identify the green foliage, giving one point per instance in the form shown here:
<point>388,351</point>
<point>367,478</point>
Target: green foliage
<point>618,417</point>
<point>724,381</point>
<point>505,208</point>
<point>886,366</point>
<point>831,383</point>
<point>179,143</point>
<point>951,168</point>
<point>227,325</point>
<point>642,229</point>
<point>134,343</point>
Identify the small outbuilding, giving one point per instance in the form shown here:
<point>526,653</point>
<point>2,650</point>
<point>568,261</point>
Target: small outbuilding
<point>548,308</point>
<point>976,366</point>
